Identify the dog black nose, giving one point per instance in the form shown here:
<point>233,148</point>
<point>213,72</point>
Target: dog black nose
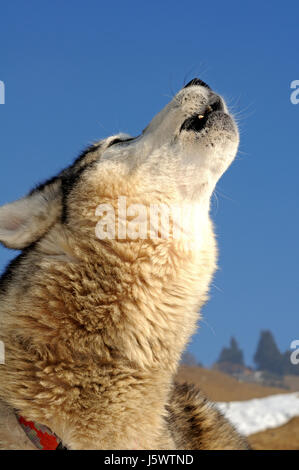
<point>197,81</point>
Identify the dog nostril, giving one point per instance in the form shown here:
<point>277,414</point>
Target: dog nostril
<point>197,81</point>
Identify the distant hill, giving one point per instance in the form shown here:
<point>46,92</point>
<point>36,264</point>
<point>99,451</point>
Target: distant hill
<point>222,387</point>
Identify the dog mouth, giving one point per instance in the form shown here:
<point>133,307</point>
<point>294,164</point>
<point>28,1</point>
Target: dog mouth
<point>197,122</point>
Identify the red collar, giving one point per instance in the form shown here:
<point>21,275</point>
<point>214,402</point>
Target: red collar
<point>40,435</point>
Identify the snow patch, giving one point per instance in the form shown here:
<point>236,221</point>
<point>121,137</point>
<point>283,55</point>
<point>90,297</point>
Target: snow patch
<point>260,414</point>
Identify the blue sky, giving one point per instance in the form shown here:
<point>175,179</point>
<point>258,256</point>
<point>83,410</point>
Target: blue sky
<point>78,71</point>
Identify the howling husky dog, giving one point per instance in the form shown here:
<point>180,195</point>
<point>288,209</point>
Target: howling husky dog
<point>94,327</point>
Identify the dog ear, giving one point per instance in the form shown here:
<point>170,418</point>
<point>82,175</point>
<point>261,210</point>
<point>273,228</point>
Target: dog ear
<point>25,221</point>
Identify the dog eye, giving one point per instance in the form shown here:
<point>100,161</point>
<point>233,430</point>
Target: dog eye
<point>119,141</point>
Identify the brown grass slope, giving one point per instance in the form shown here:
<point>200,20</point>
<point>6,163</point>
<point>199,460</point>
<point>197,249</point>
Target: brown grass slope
<point>222,387</point>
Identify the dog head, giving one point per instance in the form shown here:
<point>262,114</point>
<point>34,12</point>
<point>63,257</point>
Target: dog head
<point>179,157</point>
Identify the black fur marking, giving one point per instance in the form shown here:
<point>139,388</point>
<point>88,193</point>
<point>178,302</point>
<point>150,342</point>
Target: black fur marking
<point>69,180</point>
<point>91,148</point>
<point>10,269</point>
<point>69,176</point>
<point>189,409</point>
<point>40,187</point>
